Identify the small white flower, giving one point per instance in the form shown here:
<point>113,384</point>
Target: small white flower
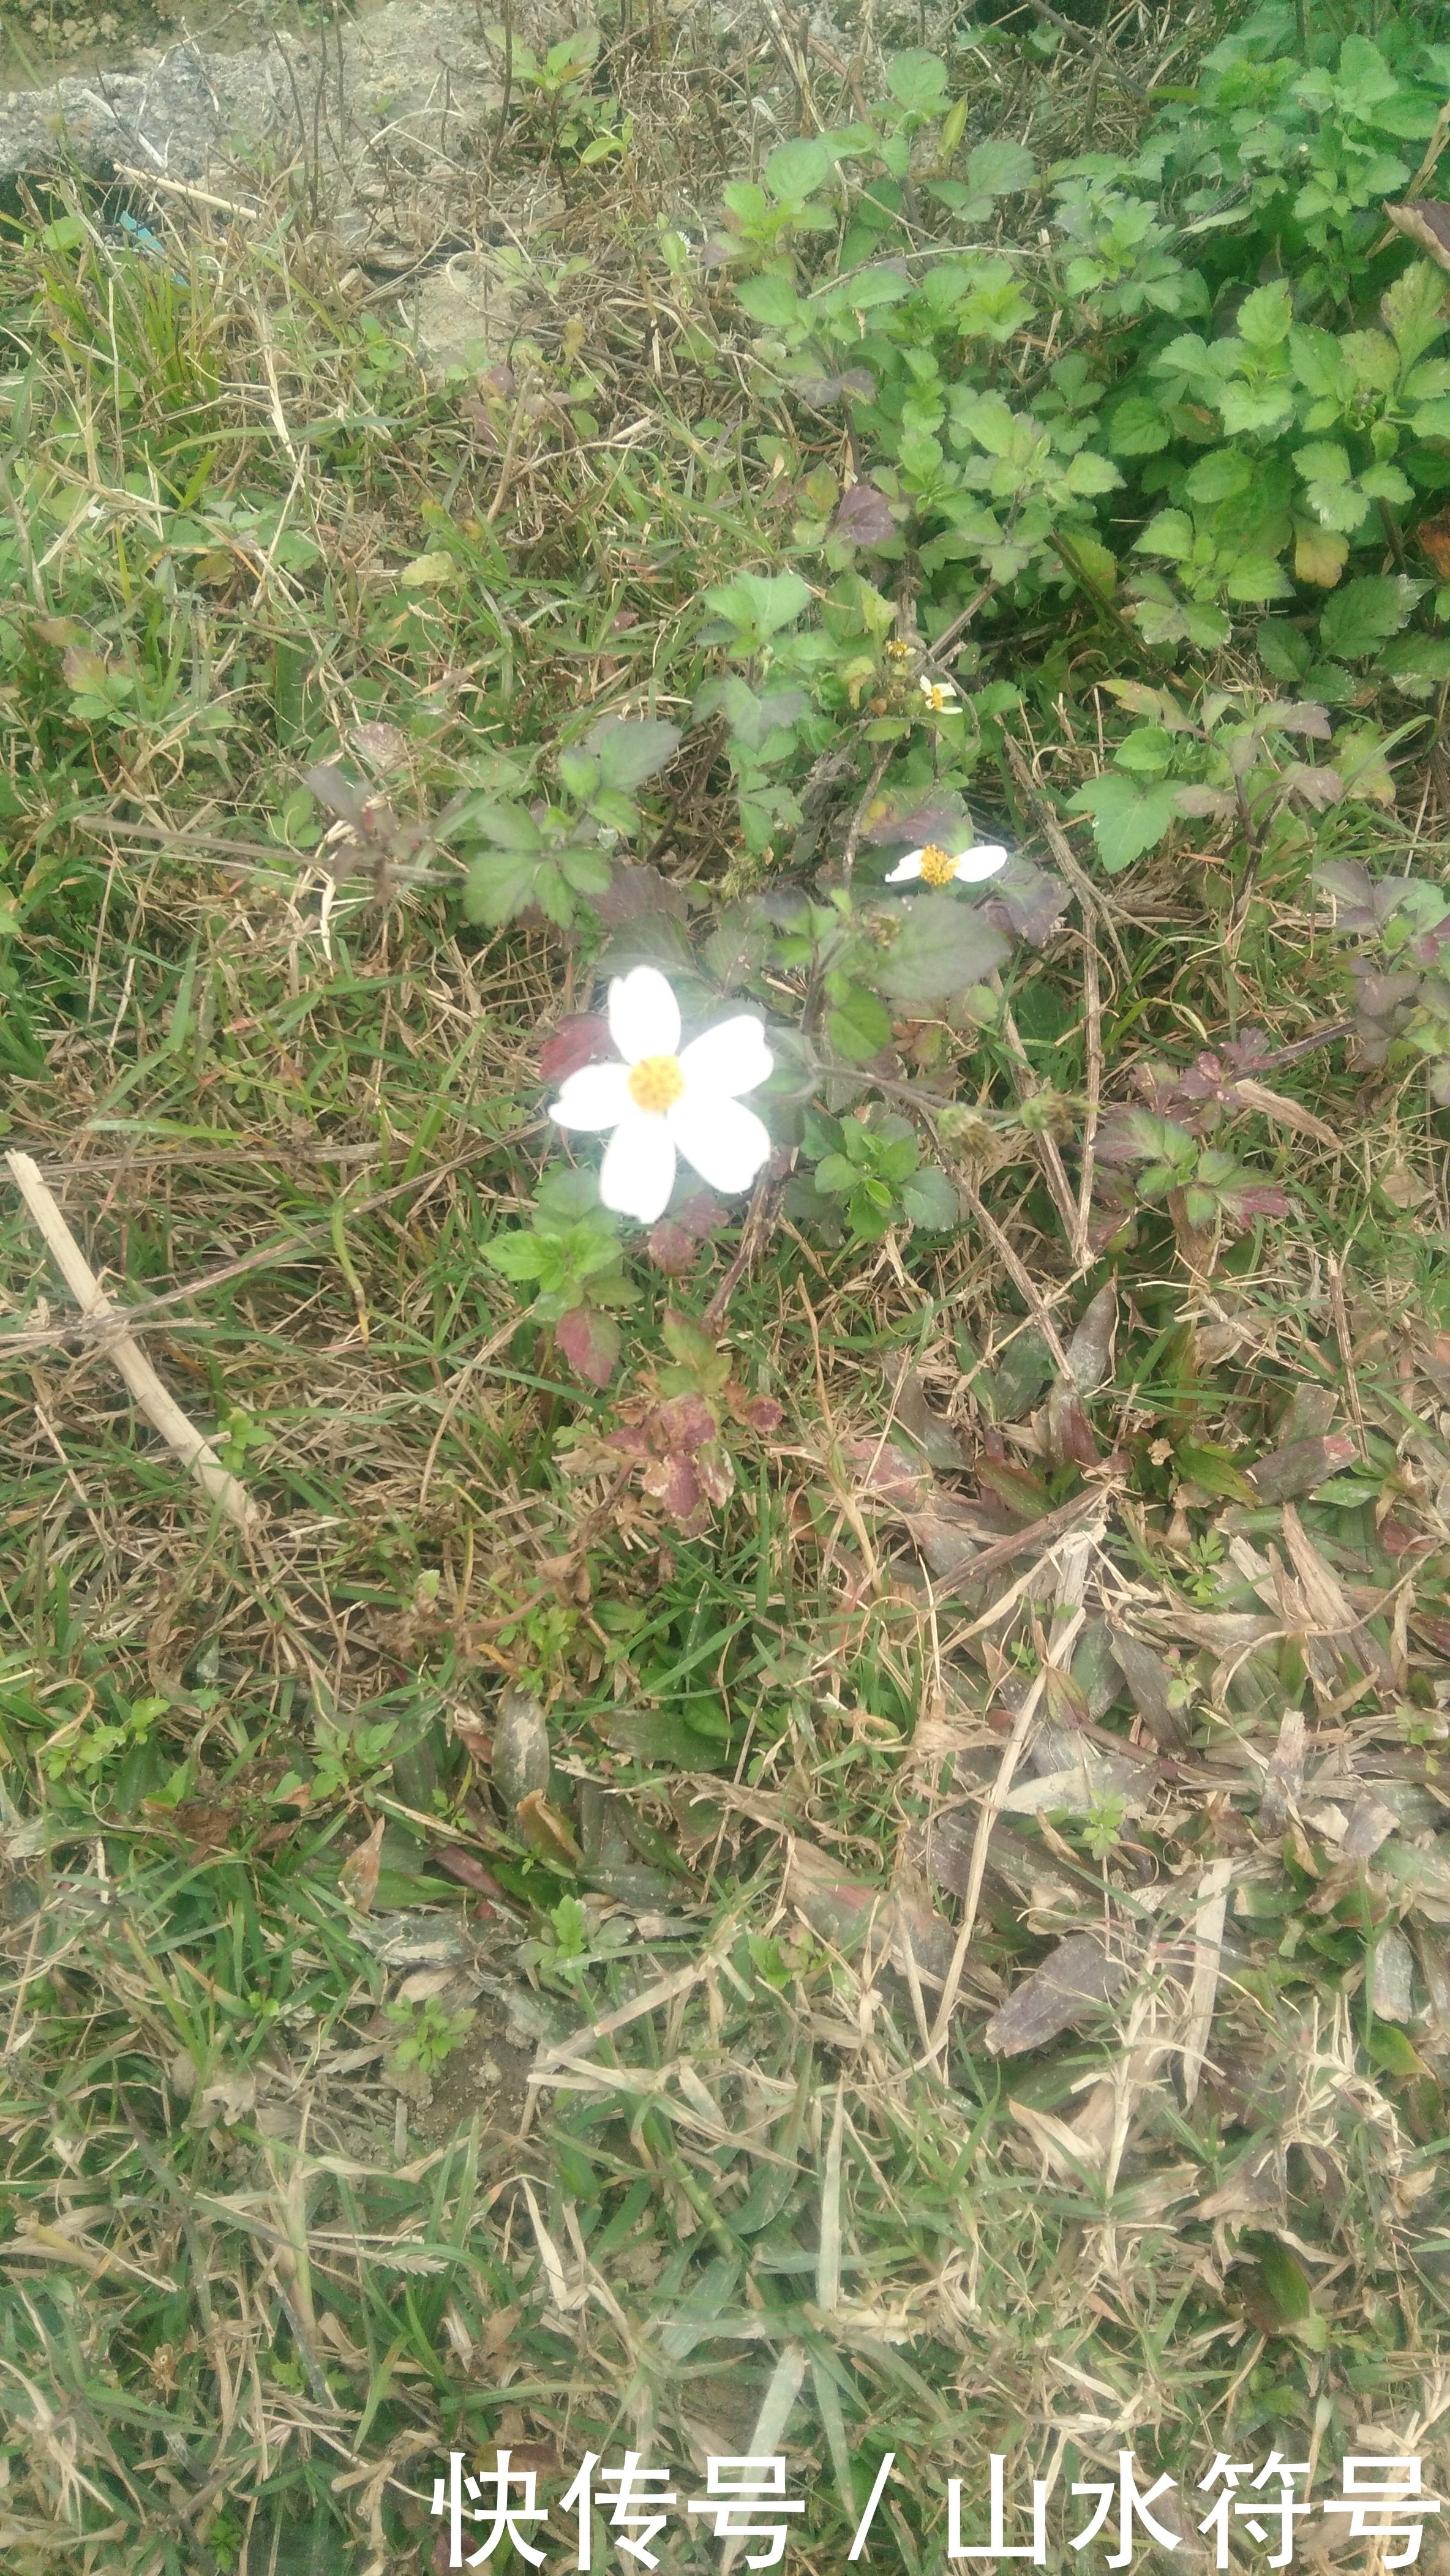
<point>941,697</point>
<point>936,867</point>
<point>666,1099</point>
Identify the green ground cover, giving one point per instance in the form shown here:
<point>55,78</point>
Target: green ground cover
<point>815,1824</point>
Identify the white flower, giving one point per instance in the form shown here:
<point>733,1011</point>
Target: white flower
<point>666,1099</point>
<point>941,696</point>
<point>936,867</point>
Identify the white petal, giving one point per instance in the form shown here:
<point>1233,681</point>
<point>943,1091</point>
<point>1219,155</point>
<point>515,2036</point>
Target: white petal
<point>638,1170</point>
<point>974,866</point>
<point>644,1017</point>
<point>596,1096</point>
<point>905,869</point>
<point>726,1144</point>
<point>728,1060</point>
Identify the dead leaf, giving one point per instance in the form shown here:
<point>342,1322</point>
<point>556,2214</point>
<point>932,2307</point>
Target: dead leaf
<point>886,1473</point>
<point>1089,1354</point>
<point>468,1870</point>
<point>1071,1986</point>
<point>1067,2153</point>
<point>358,1876</point>
<point>546,1831</point>
<point>939,1444</point>
<point>1149,1681</point>
<point>1427,223</point>
<point>520,1762</point>
<point>1394,1964</point>
<point>228,2098</point>
<point>838,1908</point>
<point>1300,1466</point>
<point>1286,1112</point>
<point>1284,1779</point>
<point>1208,1924</point>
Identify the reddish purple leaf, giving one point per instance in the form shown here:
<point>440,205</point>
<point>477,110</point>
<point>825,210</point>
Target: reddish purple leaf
<point>1028,903</point>
<point>1300,1466</point>
<point>886,1473</point>
<point>759,1413</point>
<point>673,1482</point>
<point>1066,1431</point>
<point>632,894</point>
<point>674,1244</point>
<point>589,1342</point>
<point>582,1040</point>
<point>672,1249</point>
<point>864,516</point>
<point>1255,1199</point>
<point>683,1422</point>
<point>715,1468</point>
<point>462,1866</point>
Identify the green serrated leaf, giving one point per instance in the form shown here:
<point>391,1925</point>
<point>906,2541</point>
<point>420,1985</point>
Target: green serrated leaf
<point>931,1200</point>
<point>1127,820</point>
<point>860,1026</point>
<point>628,753</point>
<point>942,945</point>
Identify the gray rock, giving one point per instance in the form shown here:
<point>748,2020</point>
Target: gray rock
<point>409,89</point>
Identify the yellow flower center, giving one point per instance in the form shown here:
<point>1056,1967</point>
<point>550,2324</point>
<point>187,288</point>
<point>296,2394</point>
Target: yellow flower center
<point>938,867</point>
<point>656,1083</point>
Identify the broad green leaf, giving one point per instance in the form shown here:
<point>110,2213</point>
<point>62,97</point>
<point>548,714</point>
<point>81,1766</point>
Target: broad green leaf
<point>1088,474</point>
<point>498,885</point>
<point>686,1342</point>
<point>1225,474</point>
<point>1389,2048</point>
<point>1266,316</point>
<point>1417,663</point>
<point>1284,652</point>
<point>1359,757</point>
<point>662,1737</point>
<point>1364,80</point>
<point>918,82</point>
<point>578,775</point>
<point>427,572</point>
<point>860,1026</point>
<point>1137,427</point>
<point>507,826</point>
<point>1169,534</point>
<point>796,170</point>
<point>571,1194</point>
<point>587,871</point>
<point>1147,750</point>
<point>628,753</point>
<point>762,601</point>
<point>931,1200</point>
<point>748,204</point>
<point>1098,563</point>
<point>772,300</point>
<point>1255,577</point>
<point>1360,617</point>
<point>1127,820</point>
<point>518,1255</point>
<point>999,168</point>
<point>943,944</point>
<point>1324,461</point>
